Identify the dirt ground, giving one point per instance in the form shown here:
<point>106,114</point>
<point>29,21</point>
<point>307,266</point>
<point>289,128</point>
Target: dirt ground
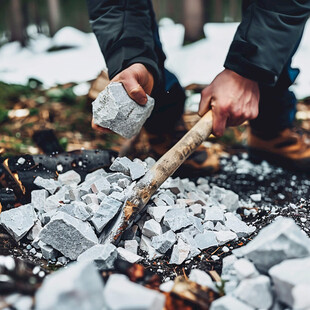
<point>283,192</point>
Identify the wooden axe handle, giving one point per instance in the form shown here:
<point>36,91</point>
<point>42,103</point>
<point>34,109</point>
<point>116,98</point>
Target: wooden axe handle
<point>175,157</point>
<point>170,162</point>
<point>158,174</point>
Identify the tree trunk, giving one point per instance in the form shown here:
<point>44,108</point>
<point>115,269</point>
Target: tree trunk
<point>193,11</point>
<point>17,23</point>
<point>218,11</point>
<point>54,15</point>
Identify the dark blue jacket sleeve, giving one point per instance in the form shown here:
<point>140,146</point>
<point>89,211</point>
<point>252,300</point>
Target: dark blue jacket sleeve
<point>266,38</point>
<point>124,30</point>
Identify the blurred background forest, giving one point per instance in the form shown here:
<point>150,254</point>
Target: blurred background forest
<point>48,16</point>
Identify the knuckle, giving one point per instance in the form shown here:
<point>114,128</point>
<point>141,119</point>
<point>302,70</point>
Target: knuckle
<point>238,114</point>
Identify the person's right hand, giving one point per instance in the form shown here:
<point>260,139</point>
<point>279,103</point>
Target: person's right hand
<point>137,81</point>
<point>232,98</point>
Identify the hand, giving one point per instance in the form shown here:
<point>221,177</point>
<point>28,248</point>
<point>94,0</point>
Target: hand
<point>137,81</point>
<point>232,98</point>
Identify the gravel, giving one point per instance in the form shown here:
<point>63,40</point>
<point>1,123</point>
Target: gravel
<point>265,195</point>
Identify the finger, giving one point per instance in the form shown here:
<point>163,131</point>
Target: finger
<point>205,102</point>
<point>219,120</point>
<point>99,128</point>
<point>134,90</point>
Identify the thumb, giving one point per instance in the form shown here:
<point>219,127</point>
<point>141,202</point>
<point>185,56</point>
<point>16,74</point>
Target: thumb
<point>205,102</point>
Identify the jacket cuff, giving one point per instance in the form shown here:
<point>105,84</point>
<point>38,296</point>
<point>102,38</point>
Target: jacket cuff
<point>121,57</point>
<point>237,61</point>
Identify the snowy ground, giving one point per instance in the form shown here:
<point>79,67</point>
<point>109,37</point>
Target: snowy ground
<point>199,62</point>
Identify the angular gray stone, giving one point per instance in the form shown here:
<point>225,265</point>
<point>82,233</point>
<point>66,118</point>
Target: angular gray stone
<point>180,252</point>
<point>228,264</point>
<point>281,240</point>
<point>115,110</point>
<point>245,269</point>
<point>101,185</point>
<point>103,255</point>
<point>115,177</point>
<point>92,208</point>
<point>46,217</point>
<point>256,197</point>
<point>196,209</point>
<point>229,302</point>
<point>288,275</point>
<point>151,228</point>
<point>237,226</point>
<point>78,286</point>
<point>301,296</point>
<point>119,196</point>
<point>123,183</point>
<point>255,292</point>
<point>157,213</point>
<point>197,198</point>
<point>218,193</point>
<point>225,236</point>
<point>47,251</point>
<point>158,202</point>
<point>150,162</point>
<point>38,198</point>
<point>49,184</point>
<point>109,207</point>
<point>226,197</point>
<point>136,170</point>
<point>196,223</point>
<point>17,302</point>
<point>189,239</point>
<point>35,230</point>
<point>69,178</point>
<point>68,235</point>
<point>74,194</point>
<point>131,246</point>
<point>116,188</point>
<point>90,198</point>
<point>121,164</point>
<point>167,199</point>
<point>208,225</point>
<point>62,260</point>
<point>174,185</point>
<point>95,174</point>
<point>77,210</point>
<point>167,286</point>
<point>21,160</point>
<point>220,227</point>
<point>214,214</point>
<point>231,201</point>
<point>164,242</point>
<point>128,256</point>
<point>145,245</point>
<point>206,240</point>
<point>18,221</point>
<point>177,218</point>
<point>120,294</point>
<point>201,278</point>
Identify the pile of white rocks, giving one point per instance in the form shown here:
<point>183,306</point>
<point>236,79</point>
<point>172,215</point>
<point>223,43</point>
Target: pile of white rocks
<point>270,272</point>
<point>66,218</point>
<point>81,287</point>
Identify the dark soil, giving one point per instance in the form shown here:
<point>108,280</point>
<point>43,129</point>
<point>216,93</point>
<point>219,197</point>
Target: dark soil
<point>283,193</point>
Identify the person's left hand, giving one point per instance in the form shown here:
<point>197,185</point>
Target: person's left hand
<point>232,98</point>
<point>137,81</point>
